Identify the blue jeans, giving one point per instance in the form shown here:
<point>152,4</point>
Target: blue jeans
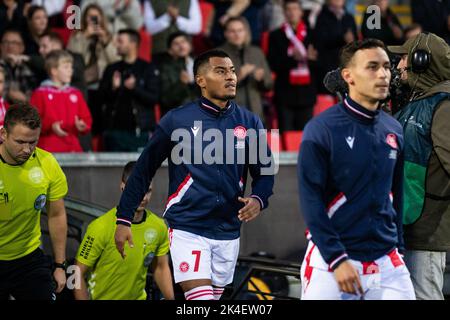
<point>427,273</point>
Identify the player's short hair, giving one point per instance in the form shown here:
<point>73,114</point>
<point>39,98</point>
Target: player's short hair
<point>132,34</point>
<point>55,58</point>
<point>127,171</point>
<point>22,113</point>
<point>348,51</point>
<point>203,58</point>
<point>53,36</point>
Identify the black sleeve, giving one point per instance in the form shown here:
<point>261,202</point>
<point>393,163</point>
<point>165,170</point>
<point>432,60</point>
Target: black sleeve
<point>278,60</point>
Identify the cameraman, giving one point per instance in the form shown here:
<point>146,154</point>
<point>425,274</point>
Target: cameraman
<point>426,124</point>
<point>129,91</point>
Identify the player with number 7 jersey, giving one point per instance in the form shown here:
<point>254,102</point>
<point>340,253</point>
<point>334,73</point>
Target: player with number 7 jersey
<point>206,205</point>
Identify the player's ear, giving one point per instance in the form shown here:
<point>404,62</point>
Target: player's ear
<point>200,80</point>
<point>347,76</point>
<point>3,133</point>
<point>122,186</point>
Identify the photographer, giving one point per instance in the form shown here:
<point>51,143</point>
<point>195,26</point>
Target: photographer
<point>95,44</point>
<point>425,69</point>
<point>129,91</point>
<point>120,13</point>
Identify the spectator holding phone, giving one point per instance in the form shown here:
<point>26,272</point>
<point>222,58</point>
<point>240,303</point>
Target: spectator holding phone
<point>95,43</point>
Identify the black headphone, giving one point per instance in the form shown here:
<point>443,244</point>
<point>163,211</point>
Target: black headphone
<point>421,59</point>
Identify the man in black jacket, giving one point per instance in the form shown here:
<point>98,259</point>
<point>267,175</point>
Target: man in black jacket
<point>128,91</point>
<point>335,28</point>
<point>289,57</point>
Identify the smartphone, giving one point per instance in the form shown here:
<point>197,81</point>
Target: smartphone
<point>94,20</point>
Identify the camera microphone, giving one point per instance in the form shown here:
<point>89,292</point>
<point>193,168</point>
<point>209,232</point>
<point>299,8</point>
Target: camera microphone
<point>334,83</point>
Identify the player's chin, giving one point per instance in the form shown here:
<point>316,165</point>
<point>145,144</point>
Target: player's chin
<point>381,94</point>
<point>230,96</point>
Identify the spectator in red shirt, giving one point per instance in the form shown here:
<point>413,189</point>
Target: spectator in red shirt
<point>63,110</point>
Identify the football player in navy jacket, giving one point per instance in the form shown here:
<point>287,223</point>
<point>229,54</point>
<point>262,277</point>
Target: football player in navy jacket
<point>211,145</point>
<point>350,170</point>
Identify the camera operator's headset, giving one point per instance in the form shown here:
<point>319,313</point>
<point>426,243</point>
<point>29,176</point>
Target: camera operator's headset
<point>421,59</point>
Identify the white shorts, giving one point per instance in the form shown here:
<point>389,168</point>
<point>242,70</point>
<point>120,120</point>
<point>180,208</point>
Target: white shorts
<point>196,257</point>
<point>386,278</point>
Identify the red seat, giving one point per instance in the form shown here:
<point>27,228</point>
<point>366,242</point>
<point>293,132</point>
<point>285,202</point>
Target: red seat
<point>206,9</point>
<point>145,49</point>
<point>97,143</point>
<point>324,101</point>
<point>292,140</point>
<point>157,113</point>
<point>274,141</point>
<point>265,42</point>
<point>64,33</point>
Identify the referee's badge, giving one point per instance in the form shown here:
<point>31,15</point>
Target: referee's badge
<point>36,175</point>
<point>150,235</point>
<point>40,201</point>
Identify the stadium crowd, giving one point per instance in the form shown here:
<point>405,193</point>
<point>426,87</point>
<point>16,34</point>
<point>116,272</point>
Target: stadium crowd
<point>132,60</point>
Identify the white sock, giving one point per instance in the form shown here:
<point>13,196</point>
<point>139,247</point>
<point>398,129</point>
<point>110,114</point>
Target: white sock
<point>200,293</point>
<point>217,292</point>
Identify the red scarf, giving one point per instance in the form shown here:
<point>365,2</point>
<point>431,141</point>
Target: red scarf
<point>299,75</point>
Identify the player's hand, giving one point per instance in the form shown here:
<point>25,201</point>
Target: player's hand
<point>348,279</point>
<point>60,277</point>
<point>56,127</point>
<point>122,235</point>
<point>80,124</point>
<point>251,209</point>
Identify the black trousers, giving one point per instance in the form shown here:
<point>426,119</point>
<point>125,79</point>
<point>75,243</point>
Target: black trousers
<point>290,118</point>
<point>27,278</point>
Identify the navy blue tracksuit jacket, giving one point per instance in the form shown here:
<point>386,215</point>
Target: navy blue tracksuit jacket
<point>203,196</point>
<point>350,171</point>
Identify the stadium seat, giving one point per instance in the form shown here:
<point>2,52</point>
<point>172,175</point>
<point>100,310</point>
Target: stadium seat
<point>292,140</point>
<point>157,113</point>
<point>145,49</point>
<point>324,101</point>
<point>64,33</point>
<point>274,141</point>
<point>206,10</point>
<point>97,143</point>
<point>265,42</point>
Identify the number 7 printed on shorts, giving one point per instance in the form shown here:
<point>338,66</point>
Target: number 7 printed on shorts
<point>197,254</point>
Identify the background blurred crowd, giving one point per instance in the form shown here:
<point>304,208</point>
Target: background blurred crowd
<point>132,60</point>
